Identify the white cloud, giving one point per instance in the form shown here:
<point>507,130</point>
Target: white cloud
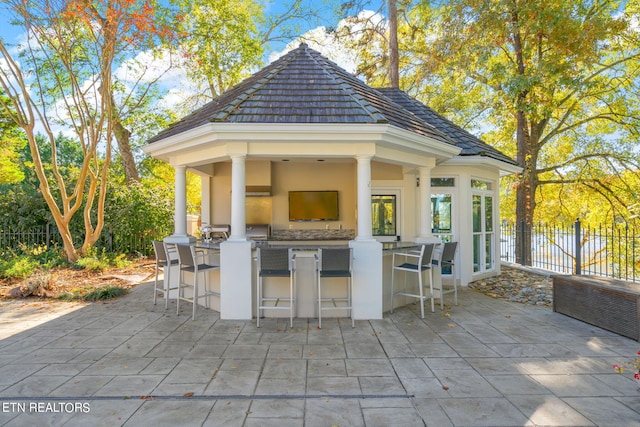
<point>325,43</point>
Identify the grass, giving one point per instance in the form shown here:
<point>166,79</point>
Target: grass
<point>96,294</point>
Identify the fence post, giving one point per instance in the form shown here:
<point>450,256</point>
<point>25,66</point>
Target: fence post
<point>578,251</point>
<point>48,236</point>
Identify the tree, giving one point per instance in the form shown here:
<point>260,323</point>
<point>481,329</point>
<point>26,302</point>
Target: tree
<point>62,77</point>
<point>124,28</point>
<point>562,73</point>
<point>11,142</point>
<point>556,83</point>
<point>224,40</point>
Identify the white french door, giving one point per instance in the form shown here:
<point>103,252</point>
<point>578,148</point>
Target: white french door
<point>483,227</point>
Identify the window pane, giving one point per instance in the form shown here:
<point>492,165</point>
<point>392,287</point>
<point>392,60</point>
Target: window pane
<point>441,213</point>
<point>383,215</point>
<point>488,247</point>
<point>480,185</point>
<point>488,213</point>
<point>443,182</point>
<point>477,214</point>
<point>476,252</point>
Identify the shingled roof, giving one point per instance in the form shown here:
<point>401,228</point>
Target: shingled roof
<point>305,87</point>
<point>470,144</point>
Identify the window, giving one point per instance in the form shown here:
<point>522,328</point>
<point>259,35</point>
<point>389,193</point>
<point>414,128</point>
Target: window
<point>480,185</point>
<point>441,216</point>
<point>383,215</point>
<point>442,189</point>
<point>443,182</point>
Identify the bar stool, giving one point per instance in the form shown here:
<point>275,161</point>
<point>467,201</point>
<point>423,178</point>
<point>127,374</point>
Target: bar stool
<point>423,263</point>
<point>275,262</point>
<point>190,262</point>
<point>164,261</point>
<point>447,259</point>
<point>334,263</point>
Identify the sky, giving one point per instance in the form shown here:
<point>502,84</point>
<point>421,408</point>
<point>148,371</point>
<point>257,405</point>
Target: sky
<point>179,88</point>
<point>13,34</point>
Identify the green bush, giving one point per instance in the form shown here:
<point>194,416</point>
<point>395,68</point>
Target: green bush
<point>19,267</point>
<point>136,215</point>
<point>93,260</point>
<point>47,257</point>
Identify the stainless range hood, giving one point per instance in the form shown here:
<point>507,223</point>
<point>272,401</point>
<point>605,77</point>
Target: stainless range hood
<point>258,178</point>
<point>258,190</point>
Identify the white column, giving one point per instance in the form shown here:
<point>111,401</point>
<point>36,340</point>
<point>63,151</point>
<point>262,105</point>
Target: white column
<point>180,210</point>
<point>425,203</point>
<point>364,198</point>
<point>180,213</point>
<point>238,192</point>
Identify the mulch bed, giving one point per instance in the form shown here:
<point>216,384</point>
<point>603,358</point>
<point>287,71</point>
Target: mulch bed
<point>51,283</point>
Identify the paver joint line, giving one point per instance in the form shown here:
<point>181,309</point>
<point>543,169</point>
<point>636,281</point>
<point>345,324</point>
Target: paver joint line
<point>216,397</point>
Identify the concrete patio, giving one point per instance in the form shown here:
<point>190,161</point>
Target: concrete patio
<point>482,363</point>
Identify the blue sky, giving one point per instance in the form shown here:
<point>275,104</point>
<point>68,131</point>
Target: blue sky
<point>328,17</point>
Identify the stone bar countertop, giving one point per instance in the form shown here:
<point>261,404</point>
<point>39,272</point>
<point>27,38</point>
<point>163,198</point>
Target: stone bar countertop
<point>307,246</point>
<point>312,234</point>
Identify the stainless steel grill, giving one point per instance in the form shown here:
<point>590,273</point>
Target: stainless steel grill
<point>258,231</point>
<point>209,232</point>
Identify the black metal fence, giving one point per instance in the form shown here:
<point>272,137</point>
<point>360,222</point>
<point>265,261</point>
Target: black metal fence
<point>137,242</point>
<point>612,251</point>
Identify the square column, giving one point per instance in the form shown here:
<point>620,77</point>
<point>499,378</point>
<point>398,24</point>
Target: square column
<point>367,292</point>
<point>235,280</point>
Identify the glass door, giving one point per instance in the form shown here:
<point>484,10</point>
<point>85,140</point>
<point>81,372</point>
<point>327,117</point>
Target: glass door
<point>483,230</point>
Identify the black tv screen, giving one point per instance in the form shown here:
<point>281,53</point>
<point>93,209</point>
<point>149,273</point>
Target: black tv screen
<point>313,206</point>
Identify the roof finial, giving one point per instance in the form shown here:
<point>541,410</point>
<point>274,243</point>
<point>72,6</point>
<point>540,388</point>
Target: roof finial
<point>303,45</point>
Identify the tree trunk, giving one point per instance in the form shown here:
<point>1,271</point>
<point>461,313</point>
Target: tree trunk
<point>525,192</point>
<point>394,66</point>
<point>123,136</point>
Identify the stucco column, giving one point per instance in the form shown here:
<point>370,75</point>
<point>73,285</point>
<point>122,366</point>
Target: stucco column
<point>364,198</point>
<point>180,213</point>
<point>180,208</point>
<point>425,231</point>
<point>238,193</point>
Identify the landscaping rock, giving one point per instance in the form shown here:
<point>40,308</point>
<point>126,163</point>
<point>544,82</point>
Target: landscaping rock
<point>517,285</point>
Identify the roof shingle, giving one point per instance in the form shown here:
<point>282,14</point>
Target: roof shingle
<point>305,87</point>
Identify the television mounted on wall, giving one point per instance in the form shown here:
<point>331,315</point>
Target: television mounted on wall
<point>313,206</point>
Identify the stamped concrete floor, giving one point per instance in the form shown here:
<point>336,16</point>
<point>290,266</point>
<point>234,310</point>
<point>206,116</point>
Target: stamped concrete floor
<point>482,363</point>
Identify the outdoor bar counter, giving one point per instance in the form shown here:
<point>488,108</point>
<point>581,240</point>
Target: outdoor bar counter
<point>305,275</point>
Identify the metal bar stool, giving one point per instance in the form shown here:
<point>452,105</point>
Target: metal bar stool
<point>422,264</point>
<point>447,260</point>
<point>190,262</point>
<point>164,261</point>
<point>334,263</point>
<point>276,262</point>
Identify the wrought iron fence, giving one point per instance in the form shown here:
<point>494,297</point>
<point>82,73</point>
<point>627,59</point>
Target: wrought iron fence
<point>138,241</point>
<point>612,251</point>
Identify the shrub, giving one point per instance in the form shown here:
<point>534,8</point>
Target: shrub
<point>93,261</point>
<point>108,292</point>
<point>19,267</point>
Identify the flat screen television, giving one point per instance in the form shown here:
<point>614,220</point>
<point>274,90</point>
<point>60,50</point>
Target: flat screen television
<point>313,206</point>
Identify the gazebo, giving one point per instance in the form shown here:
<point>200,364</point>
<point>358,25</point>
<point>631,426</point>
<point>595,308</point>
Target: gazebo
<point>400,171</point>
